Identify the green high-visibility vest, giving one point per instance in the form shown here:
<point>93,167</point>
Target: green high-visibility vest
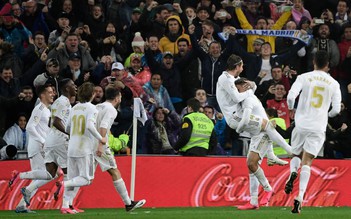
<point>277,149</point>
<point>201,133</point>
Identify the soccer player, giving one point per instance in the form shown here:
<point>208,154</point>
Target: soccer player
<point>228,98</point>
<point>37,129</point>
<point>252,118</point>
<point>105,118</point>
<point>56,143</point>
<point>318,90</point>
<point>80,162</point>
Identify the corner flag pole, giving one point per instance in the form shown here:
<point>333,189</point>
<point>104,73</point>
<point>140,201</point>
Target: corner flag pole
<point>139,113</point>
<point>134,146</point>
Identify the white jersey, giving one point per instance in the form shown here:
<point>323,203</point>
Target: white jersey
<point>81,141</point>
<point>106,116</point>
<point>253,103</point>
<point>318,91</point>
<point>37,128</point>
<point>61,109</point>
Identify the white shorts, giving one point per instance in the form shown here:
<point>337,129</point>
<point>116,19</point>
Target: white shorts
<point>37,162</point>
<point>260,144</point>
<point>107,160</point>
<point>57,155</point>
<point>310,142</point>
<point>254,126</point>
<point>81,166</point>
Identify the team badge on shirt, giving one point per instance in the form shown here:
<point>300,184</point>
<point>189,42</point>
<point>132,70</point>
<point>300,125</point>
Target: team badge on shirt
<point>185,125</point>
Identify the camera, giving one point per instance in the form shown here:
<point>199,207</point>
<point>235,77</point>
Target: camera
<point>113,79</point>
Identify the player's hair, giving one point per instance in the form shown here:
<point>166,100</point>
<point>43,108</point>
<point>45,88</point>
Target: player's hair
<point>233,61</point>
<point>321,59</point>
<point>41,89</point>
<point>194,104</point>
<point>240,81</point>
<point>63,84</point>
<point>111,92</point>
<point>85,92</point>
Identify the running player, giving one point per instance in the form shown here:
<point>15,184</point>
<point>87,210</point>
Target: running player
<point>318,90</point>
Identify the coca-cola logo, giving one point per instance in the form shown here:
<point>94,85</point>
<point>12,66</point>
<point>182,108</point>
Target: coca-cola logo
<point>43,199</point>
<point>220,186</point>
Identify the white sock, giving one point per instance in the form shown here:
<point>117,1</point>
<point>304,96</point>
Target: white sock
<point>270,153</point>
<point>253,189</point>
<point>66,192</point>
<point>36,184</point>
<point>295,164</point>
<point>277,138</point>
<point>262,179</point>
<point>77,182</point>
<point>304,178</point>
<point>122,190</point>
<point>36,174</point>
<point>22,203</point>
<point>73,194</point>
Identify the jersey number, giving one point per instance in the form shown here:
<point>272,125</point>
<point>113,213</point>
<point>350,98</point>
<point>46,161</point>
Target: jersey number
<point>78,125</point>
<point>317,96</point>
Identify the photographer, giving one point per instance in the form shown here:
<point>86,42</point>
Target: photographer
<point>7,152</point>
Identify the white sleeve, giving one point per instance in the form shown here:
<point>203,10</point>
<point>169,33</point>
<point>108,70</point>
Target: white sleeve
<point>93,131</point>
<point>244,120</point>
<point>10,136</point>
<point>33,123</point>
<point>233,92</point>
<point>336,102</point>
<point>294,92</point>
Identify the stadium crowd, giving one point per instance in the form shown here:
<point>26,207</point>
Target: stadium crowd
<point>166,52</point>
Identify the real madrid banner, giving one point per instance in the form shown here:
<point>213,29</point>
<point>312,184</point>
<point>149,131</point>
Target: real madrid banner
<point>295,34</point>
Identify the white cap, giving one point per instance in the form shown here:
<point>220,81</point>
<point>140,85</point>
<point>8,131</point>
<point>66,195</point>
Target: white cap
<point>117,65</point>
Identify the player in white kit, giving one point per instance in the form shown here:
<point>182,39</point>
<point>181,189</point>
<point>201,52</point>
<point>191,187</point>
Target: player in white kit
<point>318,90</point>
<point>106,116</point>
<point>37,128</point>
<point>228,98</point>
<point>80,162</point>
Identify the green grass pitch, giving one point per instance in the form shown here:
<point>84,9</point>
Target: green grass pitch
<point>196,213</point>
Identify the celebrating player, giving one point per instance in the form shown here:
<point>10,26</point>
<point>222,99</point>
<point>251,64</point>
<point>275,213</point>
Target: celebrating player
<point>318,90</point>
<point>106,115</point>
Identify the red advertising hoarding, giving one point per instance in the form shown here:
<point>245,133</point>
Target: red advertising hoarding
<point>188,182</point>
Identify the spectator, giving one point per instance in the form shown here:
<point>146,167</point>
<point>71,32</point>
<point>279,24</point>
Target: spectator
<point>141,74</point>
<point>137,46</point>
<point>16,135</point>
<point>341,17</point>
<point>265,91</point>
<point>213,64</point>
<point>63,29</point>
<point>261,23</point>
<point>112,43</point>
<point>74,70</point>
<point>157,93</point>
<point>14,33</point>
<point>35,49</point>
<point>173,32</point>
<point>50,76</point>
<point>62,52</point>
<point>7,151</point>
<point>33,18</point>
<point>219,127</point>
<point>170,72</point>
<point>279,103</point>
<point>162,131</point>
<point>197,137</point>
<point>298,11</point>
<point>201,96</point>
<point>153,45</point>
<point>9,58</point>
<point>99,95</point>
<point>154,23</point>
<point>96,21</point>
<point>322,41</point>
<point>342,72</point>
<point>189,70</point>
